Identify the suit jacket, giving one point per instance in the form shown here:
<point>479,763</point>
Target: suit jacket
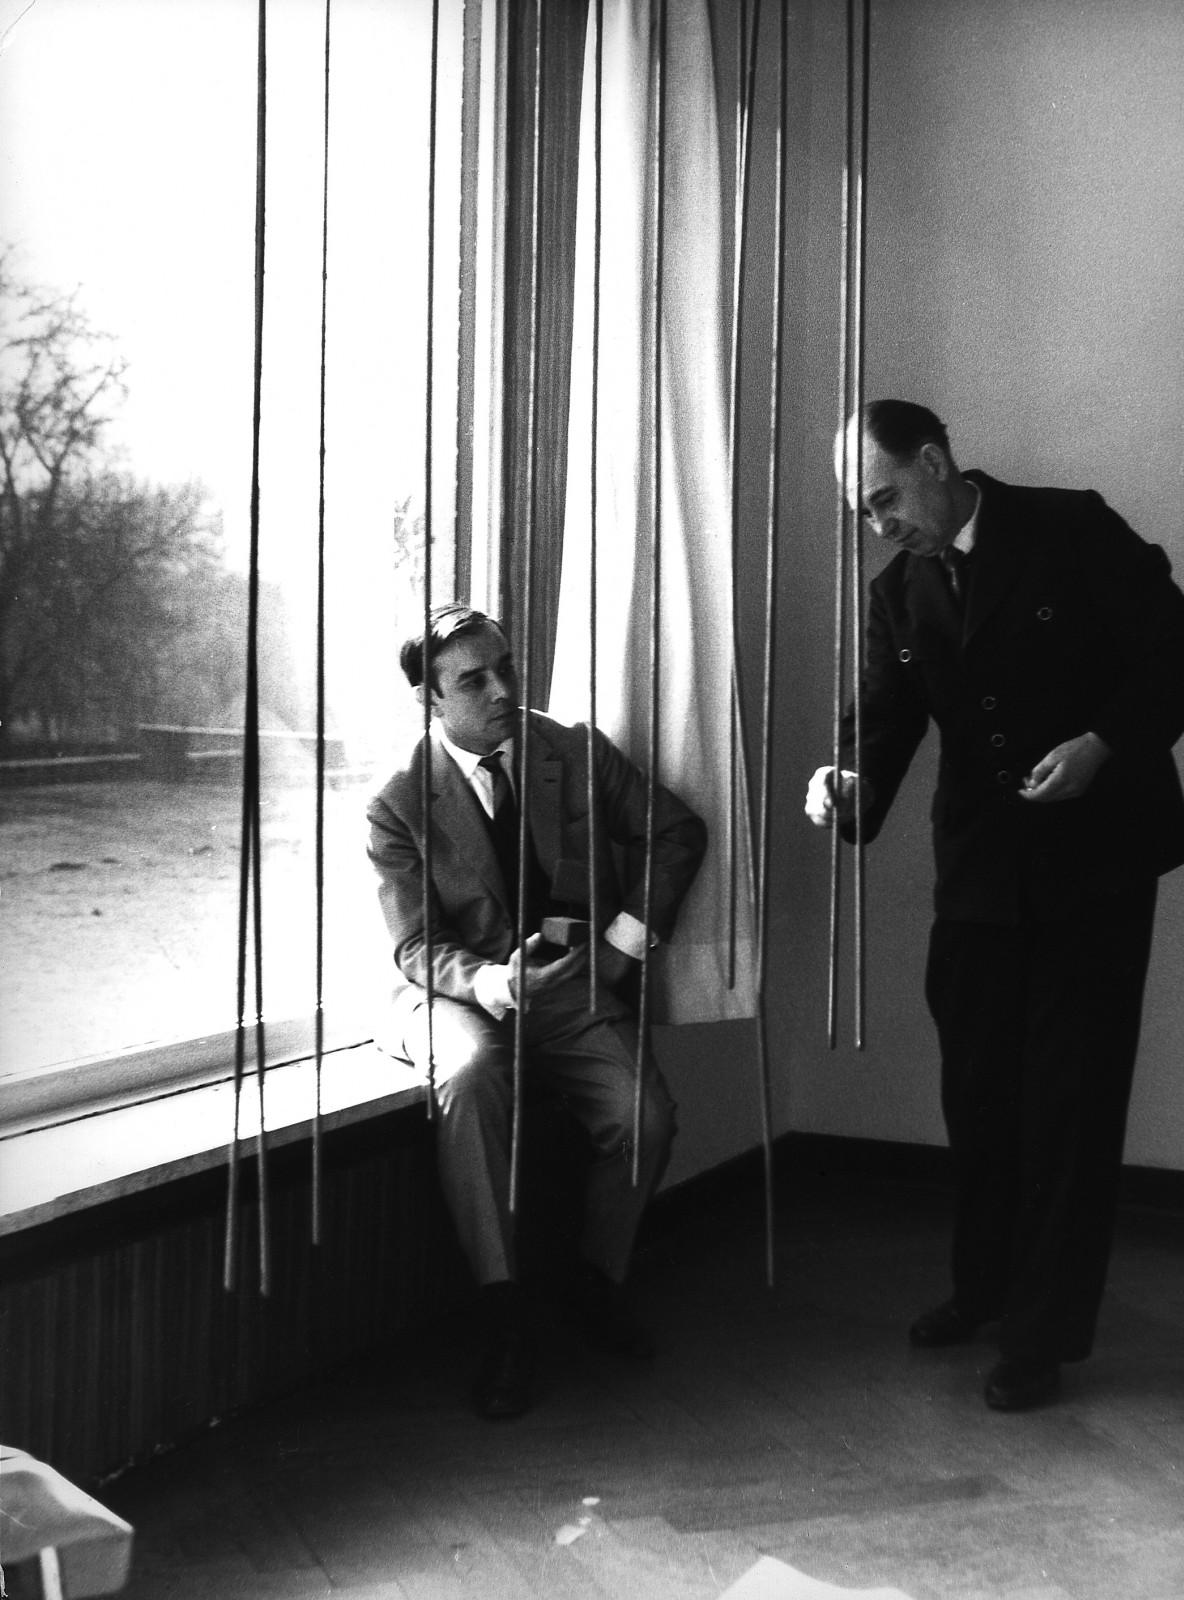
<point>469,906</point>
<point>1072,623</point>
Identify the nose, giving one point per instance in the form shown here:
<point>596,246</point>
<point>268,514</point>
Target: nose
<point>882,527</point>
<point>502,686</point>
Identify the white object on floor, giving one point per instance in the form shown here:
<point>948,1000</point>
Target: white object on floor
<point>771,1579</point>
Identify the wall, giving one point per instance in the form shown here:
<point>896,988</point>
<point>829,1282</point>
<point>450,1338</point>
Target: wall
<point>1025,216</point>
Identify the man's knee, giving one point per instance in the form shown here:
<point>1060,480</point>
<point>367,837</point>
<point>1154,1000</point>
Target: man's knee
<point>616,1133</point>
<point>478,1078</point>
<point>659,1119</point>
<point>466,1054</point>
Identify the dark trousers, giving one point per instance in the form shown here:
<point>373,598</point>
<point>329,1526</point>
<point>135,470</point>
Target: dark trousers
<point>587,1059</point>
<point>1039,1029</point>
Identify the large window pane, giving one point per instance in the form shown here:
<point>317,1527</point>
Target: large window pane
<point>127,184</point>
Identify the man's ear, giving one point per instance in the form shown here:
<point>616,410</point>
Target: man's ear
<point>935,461</point>
<point>425,696</point>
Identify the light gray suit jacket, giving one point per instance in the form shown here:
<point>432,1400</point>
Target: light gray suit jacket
<point>471,922</point>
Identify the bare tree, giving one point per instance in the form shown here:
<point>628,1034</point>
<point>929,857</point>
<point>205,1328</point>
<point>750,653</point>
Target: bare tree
<point>98,572</point>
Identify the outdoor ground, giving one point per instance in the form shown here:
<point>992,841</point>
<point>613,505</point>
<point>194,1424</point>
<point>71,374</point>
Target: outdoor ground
<point>119,912</point>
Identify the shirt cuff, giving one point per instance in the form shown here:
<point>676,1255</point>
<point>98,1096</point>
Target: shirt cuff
<point>491,988</point>
<point>626,934</point>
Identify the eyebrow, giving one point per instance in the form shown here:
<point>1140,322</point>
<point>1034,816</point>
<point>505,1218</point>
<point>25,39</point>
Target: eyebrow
<point>476,672</point>
<point>878,497</point>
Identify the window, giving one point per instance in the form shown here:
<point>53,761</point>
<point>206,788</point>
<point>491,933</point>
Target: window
<point>127,179</point>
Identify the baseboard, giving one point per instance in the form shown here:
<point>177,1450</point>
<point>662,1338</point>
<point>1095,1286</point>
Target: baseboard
<point>801,1160</point>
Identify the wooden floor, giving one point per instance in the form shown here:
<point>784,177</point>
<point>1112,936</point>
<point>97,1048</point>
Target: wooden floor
<point>795,1424</point>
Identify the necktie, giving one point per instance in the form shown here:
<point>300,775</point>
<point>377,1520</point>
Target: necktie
<point>500,779</point>
<point>954,561</point>
<point>503,827</point>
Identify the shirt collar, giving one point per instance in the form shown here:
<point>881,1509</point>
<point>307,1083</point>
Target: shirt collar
<point>467,760</point>
<point>967,534</point>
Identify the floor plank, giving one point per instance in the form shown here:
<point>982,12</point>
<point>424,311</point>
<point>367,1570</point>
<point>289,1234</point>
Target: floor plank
<point>794,1422</point>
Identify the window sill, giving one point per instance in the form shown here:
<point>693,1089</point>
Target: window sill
<point>51,1172</point>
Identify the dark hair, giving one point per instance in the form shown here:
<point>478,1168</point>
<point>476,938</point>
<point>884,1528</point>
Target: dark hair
<point>901,428</point>
<point>444,622</point>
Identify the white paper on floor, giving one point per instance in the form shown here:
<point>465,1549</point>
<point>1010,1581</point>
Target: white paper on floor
<point>770,1579</point>
<point>570,1531</point>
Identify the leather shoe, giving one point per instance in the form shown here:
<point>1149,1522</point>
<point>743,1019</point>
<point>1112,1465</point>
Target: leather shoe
<point>502,1385</point>
<point>1020,1385</point>
<point>945,1324</point>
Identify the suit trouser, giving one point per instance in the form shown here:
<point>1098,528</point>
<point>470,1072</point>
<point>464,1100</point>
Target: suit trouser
<point>590,1060</point>
<point>1039,1029</point>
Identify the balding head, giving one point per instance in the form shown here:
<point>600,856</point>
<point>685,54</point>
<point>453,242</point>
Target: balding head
<point>894,461</point>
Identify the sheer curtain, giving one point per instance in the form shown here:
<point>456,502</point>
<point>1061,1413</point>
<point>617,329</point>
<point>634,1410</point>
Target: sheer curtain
<point>707,971</point>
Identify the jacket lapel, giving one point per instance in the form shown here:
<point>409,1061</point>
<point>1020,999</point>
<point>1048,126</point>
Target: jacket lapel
<point>931,606</point>
<point>545,781</point>
<point>456,813</point>
<point>1000,554</point>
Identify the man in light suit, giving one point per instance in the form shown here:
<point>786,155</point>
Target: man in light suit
<point>1046,641</point>
<point>468,951</point>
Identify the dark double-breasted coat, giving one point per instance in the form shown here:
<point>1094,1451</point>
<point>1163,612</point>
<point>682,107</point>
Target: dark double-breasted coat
<point>1072,624</point>
<point>1038,954</point>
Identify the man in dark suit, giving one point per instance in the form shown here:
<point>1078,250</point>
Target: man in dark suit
<point>468,951</point>
<point>1046,641</point>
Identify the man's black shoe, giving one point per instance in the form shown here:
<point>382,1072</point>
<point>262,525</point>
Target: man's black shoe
<point>945,1324</point>
<point>1020,1385</point>
<point>503,1382</point>
<point>502,1385</point>
<point>606,1316</point>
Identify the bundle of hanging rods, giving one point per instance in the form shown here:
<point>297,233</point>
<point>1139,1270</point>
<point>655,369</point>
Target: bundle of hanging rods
<point>319,1044</point>
<point>528,601</point>
<point>848,636</point>
<point>594,504</point>
<point>250,908</point>
<point>748,39</point>
<point>848,618</point>
<point>428,535</point>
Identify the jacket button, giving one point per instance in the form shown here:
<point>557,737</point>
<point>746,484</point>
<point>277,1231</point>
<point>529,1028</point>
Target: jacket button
<point>1045,613</point>
<point>906,655</point>
<point>989,702</point>
<point>1003,777</point>
<point>998,740</point>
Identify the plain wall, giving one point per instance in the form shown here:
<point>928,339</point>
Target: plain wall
<point>1025,222</point>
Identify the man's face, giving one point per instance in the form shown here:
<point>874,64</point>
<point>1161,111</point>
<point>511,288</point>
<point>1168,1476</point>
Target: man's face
<point>909,503</point>
<point>477,698</point>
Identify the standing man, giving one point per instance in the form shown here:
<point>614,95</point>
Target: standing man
<point>479,977</point>
<point>1046,641</point>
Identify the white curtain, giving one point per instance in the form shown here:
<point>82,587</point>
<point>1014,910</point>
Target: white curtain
<point>705,973</point>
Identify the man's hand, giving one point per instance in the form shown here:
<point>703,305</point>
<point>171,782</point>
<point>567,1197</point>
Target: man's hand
<point>533,976</point>
<point>1066,772</point>
<point>825,798</point>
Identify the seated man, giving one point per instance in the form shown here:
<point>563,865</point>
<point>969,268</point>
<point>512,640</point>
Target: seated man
<point>587,1055</point>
